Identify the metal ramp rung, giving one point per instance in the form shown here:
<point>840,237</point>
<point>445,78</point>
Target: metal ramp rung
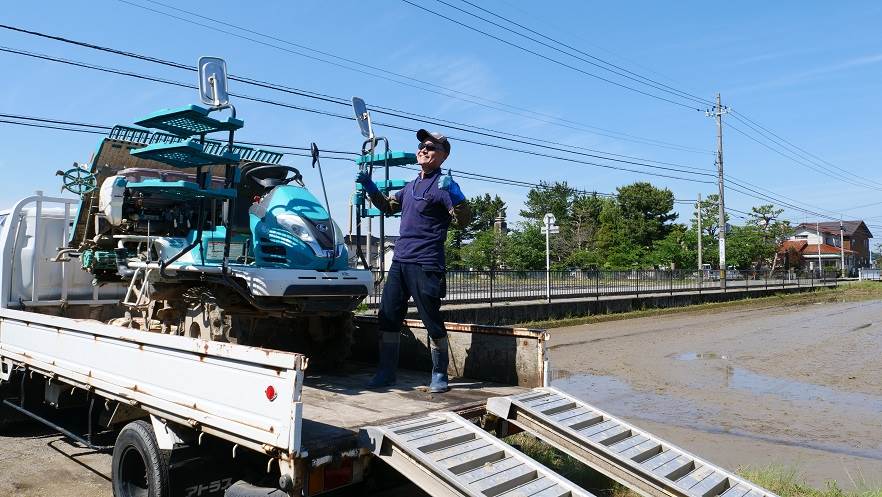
<point>446,455</point>
<point>635,458</point>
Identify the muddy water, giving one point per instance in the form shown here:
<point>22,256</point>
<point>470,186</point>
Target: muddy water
<point>798,385</point>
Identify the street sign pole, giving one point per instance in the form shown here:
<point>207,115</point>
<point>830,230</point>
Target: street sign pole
<point>548,229</point>
<point>547,264</point>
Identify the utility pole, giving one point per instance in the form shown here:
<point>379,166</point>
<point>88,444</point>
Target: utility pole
<point>841,248</point>
<point>699,233</point>
<point>820,241</point>
<point>718,112</point>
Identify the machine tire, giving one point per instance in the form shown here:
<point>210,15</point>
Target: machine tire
<point>331,346</point>
<point>138,464</point>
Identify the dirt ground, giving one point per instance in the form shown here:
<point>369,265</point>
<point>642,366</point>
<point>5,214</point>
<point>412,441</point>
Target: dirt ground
<point>797,385</point>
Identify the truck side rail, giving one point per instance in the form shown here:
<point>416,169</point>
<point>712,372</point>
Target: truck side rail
<point>25,267</point>
<point>247,395</point>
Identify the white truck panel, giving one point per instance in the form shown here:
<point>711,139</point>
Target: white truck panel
<point>214,386</point>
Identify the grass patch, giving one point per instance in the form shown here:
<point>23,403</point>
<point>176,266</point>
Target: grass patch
<point>782,480</point>
<point>564,465</point>
<point>847,292</point>
<point>788,482</point>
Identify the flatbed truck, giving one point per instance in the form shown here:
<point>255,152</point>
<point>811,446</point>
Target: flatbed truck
<point>185,416</point>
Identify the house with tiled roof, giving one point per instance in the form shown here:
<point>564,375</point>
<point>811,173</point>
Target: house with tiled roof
<point>819,245</point>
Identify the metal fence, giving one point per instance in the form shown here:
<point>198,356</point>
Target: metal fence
<point>468,286</point>
<point>871,274</point>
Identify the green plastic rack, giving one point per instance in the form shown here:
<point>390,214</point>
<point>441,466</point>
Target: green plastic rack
<point>188,121</point>
<point>184,154</point>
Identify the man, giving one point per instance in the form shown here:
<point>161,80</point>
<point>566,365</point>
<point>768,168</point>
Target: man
<point>428,205</point>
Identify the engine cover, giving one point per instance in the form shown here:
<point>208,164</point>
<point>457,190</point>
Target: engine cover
<point>111,198</point>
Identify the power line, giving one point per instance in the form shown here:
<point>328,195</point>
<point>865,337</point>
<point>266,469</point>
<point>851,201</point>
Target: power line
<point>591,60</point>
<point>758,195</point>
<point>46,123</point>
<point>817,166</point>
<point>495,14</point>
<point>771,192</point>
<point>384,75</point>
<point>64,125</point>
<point>754,125</point>
<point>340,116</point>
<point>797,161</point>
<point>48,126</point>
<point>549,59</point>
<point>258,41</point>
<point>324,97</point>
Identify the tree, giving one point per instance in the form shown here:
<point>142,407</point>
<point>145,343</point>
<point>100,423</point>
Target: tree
<point>453,248</point>
<point>615,242</point>
<point>647,212</point>
<point>710,216</point>
<point>554,198</point>
<point>584,259</point>
<point>679,249</point>
<point>747,244</point>
<point>558,199</point>
<point>484,212</point>
<point>526,248</point>
<point>765,218</point>
<point>486,251</point>
<point>581,231</point>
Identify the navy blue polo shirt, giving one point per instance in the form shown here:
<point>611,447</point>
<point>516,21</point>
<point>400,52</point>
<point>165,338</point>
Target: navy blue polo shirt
<point>425,217</point>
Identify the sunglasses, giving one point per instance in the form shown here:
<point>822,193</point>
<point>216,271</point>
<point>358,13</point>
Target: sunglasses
<point>429,147</point>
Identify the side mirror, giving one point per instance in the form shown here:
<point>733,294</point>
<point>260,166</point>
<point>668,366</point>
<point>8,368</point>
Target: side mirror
<point>313,149</point>
<point>363,118</point>
<point>213,81</point>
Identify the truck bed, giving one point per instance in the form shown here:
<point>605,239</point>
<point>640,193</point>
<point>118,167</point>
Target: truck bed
<point>337,406</point>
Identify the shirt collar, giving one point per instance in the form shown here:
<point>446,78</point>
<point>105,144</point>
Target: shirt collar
<point>429,175</point>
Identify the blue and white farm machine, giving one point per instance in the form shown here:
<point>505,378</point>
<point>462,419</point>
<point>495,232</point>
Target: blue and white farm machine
<point>214,239</point>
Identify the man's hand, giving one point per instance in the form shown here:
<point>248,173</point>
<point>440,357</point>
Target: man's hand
<point>364,179</point>
<point>456,195</point>
<point>452,187</point>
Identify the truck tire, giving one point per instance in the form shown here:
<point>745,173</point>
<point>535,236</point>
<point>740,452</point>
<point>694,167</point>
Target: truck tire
<point>139,467</point>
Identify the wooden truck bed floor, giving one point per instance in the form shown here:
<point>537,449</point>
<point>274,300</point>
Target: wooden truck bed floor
<point>336,406</point>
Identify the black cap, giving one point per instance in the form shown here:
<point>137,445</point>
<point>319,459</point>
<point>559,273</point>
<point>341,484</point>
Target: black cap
<point>423,135</point>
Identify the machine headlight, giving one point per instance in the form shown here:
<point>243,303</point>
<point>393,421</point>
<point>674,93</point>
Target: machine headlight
<point>297,226</point>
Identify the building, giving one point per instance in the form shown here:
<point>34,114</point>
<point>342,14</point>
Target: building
<point>375,244</point>
<point>815,245</point>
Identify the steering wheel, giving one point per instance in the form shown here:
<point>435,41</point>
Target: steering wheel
<point>272,182</point>
<point>78,181</point>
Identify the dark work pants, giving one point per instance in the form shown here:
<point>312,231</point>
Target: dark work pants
<point>427,287</point>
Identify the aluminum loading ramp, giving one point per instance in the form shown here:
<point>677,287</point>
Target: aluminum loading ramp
<point>446,455</point>
<point>635,458</point>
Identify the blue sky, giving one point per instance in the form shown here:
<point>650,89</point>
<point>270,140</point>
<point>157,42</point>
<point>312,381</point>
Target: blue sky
<point>808,71</point>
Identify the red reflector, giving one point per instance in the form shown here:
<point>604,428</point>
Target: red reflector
<point>270,393</point>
